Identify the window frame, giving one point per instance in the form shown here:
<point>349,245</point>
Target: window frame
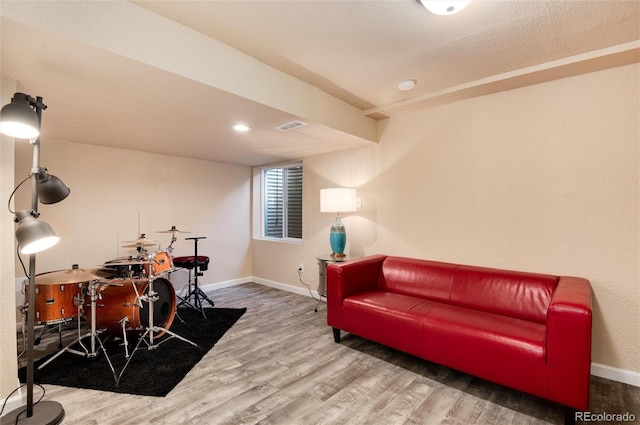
<point>263,203</point>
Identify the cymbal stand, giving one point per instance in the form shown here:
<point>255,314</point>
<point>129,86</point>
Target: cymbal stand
<point>173,239</point>
<point>92,333</point>
<point>151,297</point>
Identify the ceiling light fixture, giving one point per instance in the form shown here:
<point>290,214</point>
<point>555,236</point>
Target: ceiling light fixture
<point>241,128</point>
<point>444,7</point>
<point>407,85</point>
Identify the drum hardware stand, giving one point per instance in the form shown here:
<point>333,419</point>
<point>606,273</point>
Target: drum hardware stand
<point>195,292</point>
<point>173,239</point>
<point>169,250</point>
<point>151,297</point>
<point>23,314</point>
<point>93,334</point>
<point>124,322</point>
<point>45,328</point>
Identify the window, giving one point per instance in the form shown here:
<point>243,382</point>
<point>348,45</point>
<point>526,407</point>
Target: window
<point>282,202</point>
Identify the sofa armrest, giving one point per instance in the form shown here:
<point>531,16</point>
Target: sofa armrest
<point>569,342</point>
<point>350,277</point>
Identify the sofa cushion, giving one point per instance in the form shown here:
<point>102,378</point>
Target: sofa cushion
<point>390,319</point>
<point>516,294</point>
<point>503,349</point>
<point>429,280</point>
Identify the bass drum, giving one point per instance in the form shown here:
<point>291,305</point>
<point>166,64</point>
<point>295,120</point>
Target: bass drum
<point>117,301</point>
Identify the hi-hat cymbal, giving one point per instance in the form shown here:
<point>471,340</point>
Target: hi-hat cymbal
<point>172,230</point>
<point>104,272</point>
<point>74,275</point>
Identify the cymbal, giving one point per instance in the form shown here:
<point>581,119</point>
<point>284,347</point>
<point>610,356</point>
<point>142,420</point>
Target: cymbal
<point>172,230</point>
<point>142,238</point>
<point>104,272</point>
<point>74,275</point>
<point>140,243</point>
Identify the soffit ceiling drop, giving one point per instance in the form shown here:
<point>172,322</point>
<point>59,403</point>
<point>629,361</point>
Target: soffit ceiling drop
<point>107,83</point>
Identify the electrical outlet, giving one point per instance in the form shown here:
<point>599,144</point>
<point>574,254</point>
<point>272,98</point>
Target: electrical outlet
<point>301,268</point>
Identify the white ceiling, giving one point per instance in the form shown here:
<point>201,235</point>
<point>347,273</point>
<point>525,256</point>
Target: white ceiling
<point>357,51</point>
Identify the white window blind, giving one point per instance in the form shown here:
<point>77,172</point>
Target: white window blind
<point>282,202</point>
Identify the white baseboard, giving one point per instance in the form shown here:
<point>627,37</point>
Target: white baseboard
<point>289,288</point>
<point>615,374</point>
<point>226,283</point>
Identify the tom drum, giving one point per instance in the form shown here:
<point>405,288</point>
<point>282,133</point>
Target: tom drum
<point>161,263</point>
<point>55,302</point>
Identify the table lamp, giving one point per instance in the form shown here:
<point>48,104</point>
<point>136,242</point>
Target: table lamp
<point>337,200</point>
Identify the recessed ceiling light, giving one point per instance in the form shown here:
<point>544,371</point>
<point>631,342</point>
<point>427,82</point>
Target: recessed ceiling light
<point>444,7</point>
<point>406,85</point>
<point>241,128</point>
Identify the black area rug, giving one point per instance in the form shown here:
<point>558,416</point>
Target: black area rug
<point>150,372</point>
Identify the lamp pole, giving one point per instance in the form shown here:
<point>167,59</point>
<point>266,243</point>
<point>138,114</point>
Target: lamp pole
<point>47,412</point>
<point>39,106</point>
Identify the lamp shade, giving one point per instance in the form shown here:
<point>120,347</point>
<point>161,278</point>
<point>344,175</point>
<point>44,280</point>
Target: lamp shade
<point>50,188</point>
<point>32,234</point>
<point>18,119</point>
<point>445,7</point>
<point>337,200</point>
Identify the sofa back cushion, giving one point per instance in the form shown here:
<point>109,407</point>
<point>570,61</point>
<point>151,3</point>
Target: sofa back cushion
<point>430,280</point>
<point>510,293</point>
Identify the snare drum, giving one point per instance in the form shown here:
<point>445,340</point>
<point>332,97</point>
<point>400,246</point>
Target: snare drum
<point>162,262</point>
<point>126,267</point>
<point>117,300</point>
<point>55,302</point>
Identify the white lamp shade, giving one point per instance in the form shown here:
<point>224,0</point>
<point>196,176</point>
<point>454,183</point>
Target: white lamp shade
<point>337,199</point>
<point>17,119</point>
<point>33,235</point>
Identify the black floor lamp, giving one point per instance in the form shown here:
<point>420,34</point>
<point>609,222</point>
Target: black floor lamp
<point>21,119</point>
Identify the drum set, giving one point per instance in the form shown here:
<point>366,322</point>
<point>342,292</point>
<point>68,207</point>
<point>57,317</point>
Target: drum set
<point>126,297</point>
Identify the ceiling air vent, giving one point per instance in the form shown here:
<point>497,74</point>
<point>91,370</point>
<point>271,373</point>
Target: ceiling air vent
<point>288,126</point>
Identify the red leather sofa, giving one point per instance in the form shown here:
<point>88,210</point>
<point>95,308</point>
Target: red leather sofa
<point>527,331</point>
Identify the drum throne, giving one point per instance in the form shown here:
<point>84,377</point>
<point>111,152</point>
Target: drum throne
<point>196,265</point>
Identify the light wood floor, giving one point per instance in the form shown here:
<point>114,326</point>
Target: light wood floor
<point>279,365</point>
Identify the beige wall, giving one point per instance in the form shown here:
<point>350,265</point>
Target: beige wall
<point>8,375</point>
<point>543,178</point>
<point>113,191</point>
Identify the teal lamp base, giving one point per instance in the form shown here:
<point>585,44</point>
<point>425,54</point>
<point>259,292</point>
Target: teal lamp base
<point>337,238</point>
